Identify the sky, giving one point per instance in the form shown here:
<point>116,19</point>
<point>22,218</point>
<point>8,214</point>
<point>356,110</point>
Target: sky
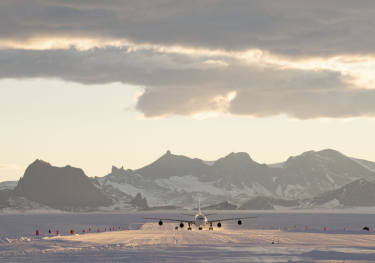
<point>94,84</point>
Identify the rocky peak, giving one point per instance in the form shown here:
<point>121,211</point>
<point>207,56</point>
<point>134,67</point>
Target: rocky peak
<point>115,169</point>
<point>140,202</point>
<point>37,161</point>
<point>59,186</point>
<point>170,165</point>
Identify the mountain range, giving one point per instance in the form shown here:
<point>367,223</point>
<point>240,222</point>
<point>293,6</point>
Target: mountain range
<point>237,177</point>
<point>176,181</point>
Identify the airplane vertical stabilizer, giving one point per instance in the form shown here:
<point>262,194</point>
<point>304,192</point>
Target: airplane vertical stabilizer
<point>199,205</point>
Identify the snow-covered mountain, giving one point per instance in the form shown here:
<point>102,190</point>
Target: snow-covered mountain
<point>359,193</point>
<point>178,180</point>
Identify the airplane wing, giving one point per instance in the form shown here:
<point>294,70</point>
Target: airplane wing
<point>228,219</point>
<point>167,219</point>
<point>211,214</point>
<point>195,214</point>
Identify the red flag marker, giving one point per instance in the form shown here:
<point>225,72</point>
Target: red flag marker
<point>295,226</point>
<point>324,228</point>
<point>98,230</point>
<point>83,231</point>
<point>306,227</point>
<point>37,233</point>
<point>57,232</point>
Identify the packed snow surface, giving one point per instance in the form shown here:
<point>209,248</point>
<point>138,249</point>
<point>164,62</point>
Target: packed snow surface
<point>149,242</point>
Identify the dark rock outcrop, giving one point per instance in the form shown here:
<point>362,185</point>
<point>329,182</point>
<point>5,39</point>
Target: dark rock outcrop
<point>222,206</point>
<point>140,202</point>
<point>59,187</point>
<point>258,203</point>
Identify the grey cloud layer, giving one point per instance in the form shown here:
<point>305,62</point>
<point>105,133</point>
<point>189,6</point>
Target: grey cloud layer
<point>177,84</point>
<point>291,28</point>
<point>185,83</point>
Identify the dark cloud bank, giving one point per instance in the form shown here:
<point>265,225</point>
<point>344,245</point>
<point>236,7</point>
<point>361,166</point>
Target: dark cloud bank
<point>185,84</point>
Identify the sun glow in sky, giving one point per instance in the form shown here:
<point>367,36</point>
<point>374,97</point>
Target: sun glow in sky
<point>94,85</point>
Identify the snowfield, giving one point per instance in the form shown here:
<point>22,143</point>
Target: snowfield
<point>149,242</point>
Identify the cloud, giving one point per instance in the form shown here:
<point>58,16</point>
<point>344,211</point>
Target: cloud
<point>185,84</point>
<point>306,59</point>
<point>286,27</point>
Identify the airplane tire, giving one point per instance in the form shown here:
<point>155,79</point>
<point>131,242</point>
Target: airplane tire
<point>200,228</point>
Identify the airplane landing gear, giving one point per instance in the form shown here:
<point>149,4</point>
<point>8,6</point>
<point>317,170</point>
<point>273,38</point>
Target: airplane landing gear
<point>189,228</point>
<point>211,228</point>
<point>200,228</point>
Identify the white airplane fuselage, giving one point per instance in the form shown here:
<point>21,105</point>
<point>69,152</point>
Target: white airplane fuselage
<point>200,220</point>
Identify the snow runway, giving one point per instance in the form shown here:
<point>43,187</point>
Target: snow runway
<point>154,243</point>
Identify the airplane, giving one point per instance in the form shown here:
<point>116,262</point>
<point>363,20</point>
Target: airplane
<point>200,220</point>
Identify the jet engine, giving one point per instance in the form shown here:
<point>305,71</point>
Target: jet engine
<point>219,224</point>
<point>182,225</point>
<point>160,223</point>
<point>239,222</point>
